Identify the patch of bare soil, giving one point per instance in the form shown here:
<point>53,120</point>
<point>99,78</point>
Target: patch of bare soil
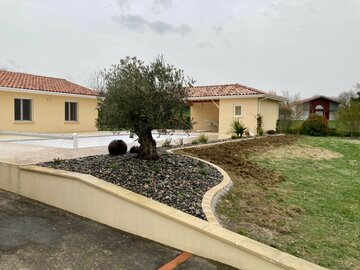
<point>248,209</point>
<point>233,157</point>
<point>303,151</point>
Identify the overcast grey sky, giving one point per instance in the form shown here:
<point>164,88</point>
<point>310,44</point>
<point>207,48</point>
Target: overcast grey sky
<point>302,46</point>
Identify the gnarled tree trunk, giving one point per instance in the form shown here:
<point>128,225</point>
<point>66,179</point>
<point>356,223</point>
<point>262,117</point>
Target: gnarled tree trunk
<point>147,143</point>
<point>147,147</point>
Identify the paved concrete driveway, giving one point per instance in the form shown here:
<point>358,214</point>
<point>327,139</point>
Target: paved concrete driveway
<point>37,236</point>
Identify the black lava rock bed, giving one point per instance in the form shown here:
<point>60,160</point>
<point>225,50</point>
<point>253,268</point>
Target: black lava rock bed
<point>175,180</point>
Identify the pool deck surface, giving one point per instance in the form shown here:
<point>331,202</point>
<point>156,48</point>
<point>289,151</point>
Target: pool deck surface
<point>37,236</point>
<point>30,154</point>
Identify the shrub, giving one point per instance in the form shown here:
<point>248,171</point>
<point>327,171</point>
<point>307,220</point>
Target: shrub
<point>156,167</point>
<point>195,142</point>
<point>315,125</point>
<point>167,142</point>
<point>294,130</point>
<point>333,132</point>
<point>237,128</point>
<point>114,166</point>
<point>180,141</point>
<point>234,137</point>
<point>58,161</point>
<point>297,131</point>
<point>202,138</point>
<point>203,171</point>
<point>260,131</point>
<point>348,117</point>
<point>270,132</point>
<point>260,124</point>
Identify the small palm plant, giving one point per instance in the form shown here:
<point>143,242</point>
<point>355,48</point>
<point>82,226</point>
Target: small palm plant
<point>237,128</point>
<point>202,138</point>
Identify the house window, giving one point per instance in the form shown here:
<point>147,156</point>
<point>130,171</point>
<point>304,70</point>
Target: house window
<point>237,111</point>
<point>71,113</point>
<point>319,110</point>
<point>23,108</point>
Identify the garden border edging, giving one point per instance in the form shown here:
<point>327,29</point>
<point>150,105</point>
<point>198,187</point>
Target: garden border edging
<point>212,196</point>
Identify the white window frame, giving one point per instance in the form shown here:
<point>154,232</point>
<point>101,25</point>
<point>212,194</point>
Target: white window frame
<point>22,110</point>
<point>69,111</point>
<point>234,110</point>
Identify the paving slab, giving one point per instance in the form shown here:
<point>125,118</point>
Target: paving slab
<point>36,236</point>
<point>30,154</point>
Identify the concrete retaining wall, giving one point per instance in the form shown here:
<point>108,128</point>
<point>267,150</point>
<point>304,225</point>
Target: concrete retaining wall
<point>117,207</point>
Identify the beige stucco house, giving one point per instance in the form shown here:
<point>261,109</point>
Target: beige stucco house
<point>31,103</point>
<point>215,107</point>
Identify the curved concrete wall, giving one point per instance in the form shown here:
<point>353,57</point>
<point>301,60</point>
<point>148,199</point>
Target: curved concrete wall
<point>109,204</point>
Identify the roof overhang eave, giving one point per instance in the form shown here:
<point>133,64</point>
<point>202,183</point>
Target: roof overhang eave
<point>44,92</point>
<point>277,98</point>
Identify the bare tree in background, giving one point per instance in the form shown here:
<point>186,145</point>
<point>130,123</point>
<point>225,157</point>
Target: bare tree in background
<point>345,97</point>
<point>97,82</point>
<point>357,90</point>
<point>272,92</point>
<point>288,111</point>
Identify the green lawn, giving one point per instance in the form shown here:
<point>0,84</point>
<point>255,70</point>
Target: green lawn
<point>327,230</point>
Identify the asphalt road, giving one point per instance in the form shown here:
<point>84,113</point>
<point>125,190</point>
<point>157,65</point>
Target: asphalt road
<point>37,236</point>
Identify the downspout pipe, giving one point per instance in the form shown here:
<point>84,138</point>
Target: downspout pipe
<point>259,104</point>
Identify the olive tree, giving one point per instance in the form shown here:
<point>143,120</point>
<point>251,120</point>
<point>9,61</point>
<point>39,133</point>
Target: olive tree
<point>142,98</point>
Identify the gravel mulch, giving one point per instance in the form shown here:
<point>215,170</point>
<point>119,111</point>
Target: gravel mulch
<point>175,180</point>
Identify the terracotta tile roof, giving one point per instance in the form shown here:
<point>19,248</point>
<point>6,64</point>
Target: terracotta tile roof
<point>223,90</point>
<point>302,101</point>
<point>41,83</point>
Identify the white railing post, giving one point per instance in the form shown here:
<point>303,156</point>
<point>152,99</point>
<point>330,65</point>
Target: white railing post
<point>75,141</point>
